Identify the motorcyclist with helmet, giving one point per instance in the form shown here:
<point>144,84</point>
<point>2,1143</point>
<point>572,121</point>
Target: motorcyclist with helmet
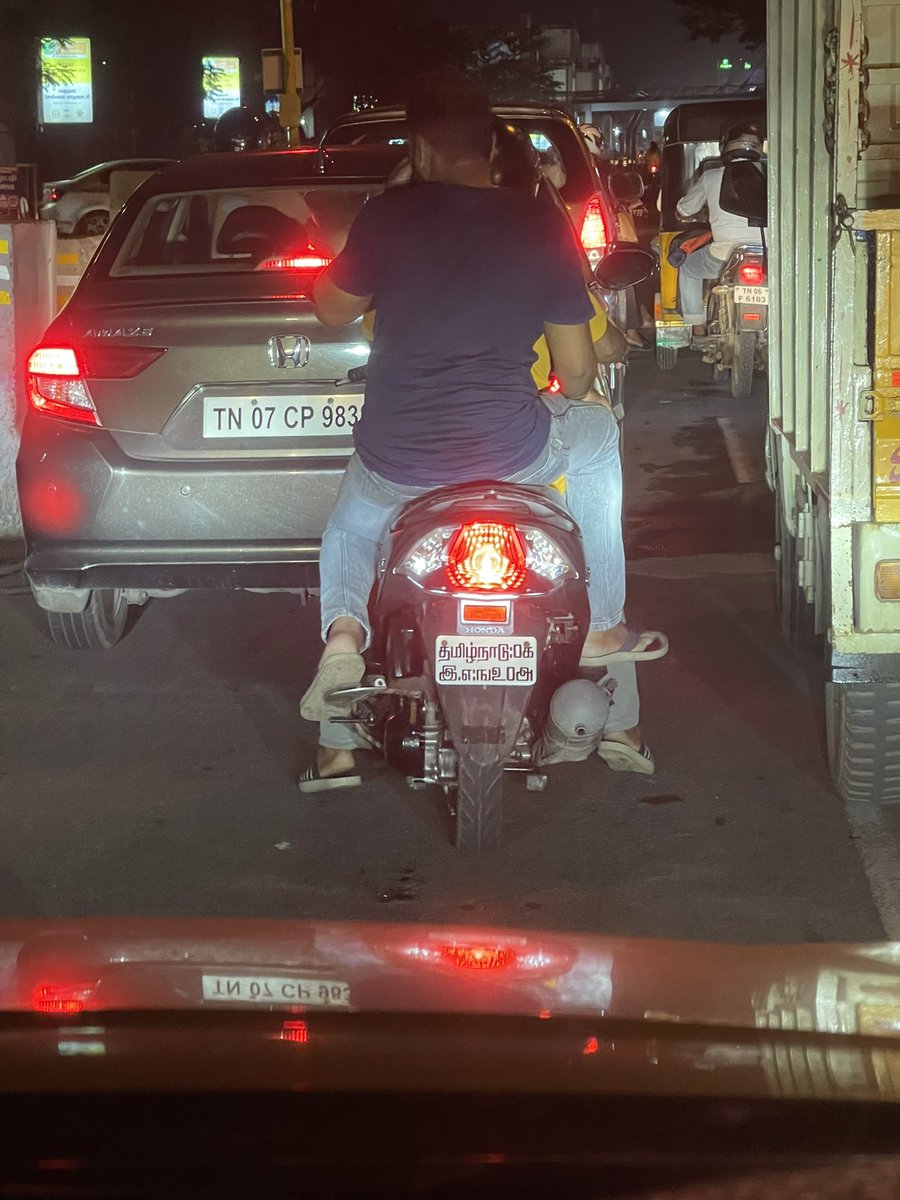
<point>728,230</point>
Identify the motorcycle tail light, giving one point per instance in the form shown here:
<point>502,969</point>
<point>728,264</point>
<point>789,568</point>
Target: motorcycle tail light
<point>751,273</point>
<point>543,557</point>
<point>428,555</point>
<point>487,556</point>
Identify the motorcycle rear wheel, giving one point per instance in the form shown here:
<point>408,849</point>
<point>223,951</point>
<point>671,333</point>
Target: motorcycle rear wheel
<point>479,806</point>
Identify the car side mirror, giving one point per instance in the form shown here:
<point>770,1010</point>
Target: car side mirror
<point>626,186</point>
<point>744,191</point>
<point>623,265</point>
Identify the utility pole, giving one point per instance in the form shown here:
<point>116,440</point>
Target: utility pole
<point>290,108</point>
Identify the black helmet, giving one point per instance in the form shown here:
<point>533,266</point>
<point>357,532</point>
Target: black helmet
<point>741,143</point>
<point>238,129</point>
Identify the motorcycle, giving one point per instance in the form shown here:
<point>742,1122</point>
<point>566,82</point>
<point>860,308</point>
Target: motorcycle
<point>738,319</point>
<point>478,617</point>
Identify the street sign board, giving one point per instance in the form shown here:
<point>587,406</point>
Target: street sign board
<point>65,89</point>
<point>273,80</point>
<point>221,85</point>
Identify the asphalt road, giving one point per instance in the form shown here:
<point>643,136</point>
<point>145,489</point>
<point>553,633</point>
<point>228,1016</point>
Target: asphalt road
<point>158,778</point>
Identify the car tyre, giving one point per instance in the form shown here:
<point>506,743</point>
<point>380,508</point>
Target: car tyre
<point>92,225</point>
<point>99,627</point>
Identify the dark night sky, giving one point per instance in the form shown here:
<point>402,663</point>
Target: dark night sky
<point>644,40</point>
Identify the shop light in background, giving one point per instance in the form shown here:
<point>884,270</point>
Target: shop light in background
<point>65,89</point>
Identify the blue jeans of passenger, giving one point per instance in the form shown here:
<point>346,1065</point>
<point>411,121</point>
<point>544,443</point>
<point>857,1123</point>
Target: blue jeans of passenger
<point>583,446</point>
<point>700,265</point>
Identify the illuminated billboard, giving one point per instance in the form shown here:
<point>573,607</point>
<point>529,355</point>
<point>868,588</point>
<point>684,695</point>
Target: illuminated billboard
<point>65,90</point>
<point>221,85</point>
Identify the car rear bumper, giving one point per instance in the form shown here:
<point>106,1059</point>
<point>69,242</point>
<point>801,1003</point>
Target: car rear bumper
<point>94,517</point>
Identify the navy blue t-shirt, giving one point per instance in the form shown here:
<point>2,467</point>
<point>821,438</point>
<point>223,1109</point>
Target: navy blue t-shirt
<point>462,280</point>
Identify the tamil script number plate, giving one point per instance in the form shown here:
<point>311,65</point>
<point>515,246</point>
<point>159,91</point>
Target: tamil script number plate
<point>279,416</point>
<point>276,989</point>
<point>496,661</point>
<point>751,295</point>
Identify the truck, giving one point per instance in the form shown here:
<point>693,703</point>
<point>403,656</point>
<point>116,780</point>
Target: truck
<point>833,84</point>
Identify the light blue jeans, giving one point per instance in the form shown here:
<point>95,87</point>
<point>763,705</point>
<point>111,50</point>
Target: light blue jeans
<point>583,445</point>
<point>700,265</point>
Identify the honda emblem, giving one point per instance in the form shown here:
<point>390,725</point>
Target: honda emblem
<point>290,350</point>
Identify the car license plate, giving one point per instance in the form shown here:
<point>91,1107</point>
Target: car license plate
<point>495,661</point>
<point>751,295</point>
<point>280,416</point>
<point>672,335</point>
<point>276,989</point>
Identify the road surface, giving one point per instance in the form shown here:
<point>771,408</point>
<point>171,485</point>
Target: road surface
<point>158,778</point>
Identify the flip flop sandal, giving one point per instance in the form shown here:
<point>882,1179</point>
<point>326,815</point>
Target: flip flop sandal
<point>338,671</point>
<point>628,651</point>
<point>312,781</point>
<point>620,757</point>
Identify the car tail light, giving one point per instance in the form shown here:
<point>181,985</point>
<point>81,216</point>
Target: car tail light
<point>487,556</point>
<point>50,195</point>
<point>296,1032</point>
<point>594,230</point>
<point>56,386</point>
<point>309,259</point>
<point>752,274</point>
<point>449,951</point>
<point>479,958</point>
<point>63,1000</point>
<point>57,376</point>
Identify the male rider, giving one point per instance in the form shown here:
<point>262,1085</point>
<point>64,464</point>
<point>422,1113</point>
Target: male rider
<point>465,277</point>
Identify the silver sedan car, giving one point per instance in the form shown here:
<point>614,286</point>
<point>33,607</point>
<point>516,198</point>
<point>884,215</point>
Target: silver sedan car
<point>189,417</point>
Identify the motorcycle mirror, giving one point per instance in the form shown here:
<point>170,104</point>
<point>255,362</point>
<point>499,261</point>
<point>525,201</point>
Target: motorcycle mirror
<point>624,265</point>
<point>626,185</point>
<point>744,191</point>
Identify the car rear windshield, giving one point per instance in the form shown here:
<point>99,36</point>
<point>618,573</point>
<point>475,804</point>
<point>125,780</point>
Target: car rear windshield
<point>563,155</point>
<point>241,229</point>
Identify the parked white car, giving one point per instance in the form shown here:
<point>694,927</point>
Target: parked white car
<point>81,205</point>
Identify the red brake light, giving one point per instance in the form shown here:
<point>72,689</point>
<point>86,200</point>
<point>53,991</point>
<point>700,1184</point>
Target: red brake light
<point>48,998</point>
<point>479,958</point>
<point>293,1031</point>
<point>55,385</point>
<point>486,556</point>
<point>594,232</point>
<point>554,385</point>
<point>57,376</point>
<point>309,259</point>
<point>753,274</point>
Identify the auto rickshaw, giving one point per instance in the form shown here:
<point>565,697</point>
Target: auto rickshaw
<point>691,136</point>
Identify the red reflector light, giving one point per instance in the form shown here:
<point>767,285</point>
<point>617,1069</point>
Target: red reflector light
<point>594,233</point>
<point>486,612</point>
<point>895,378</point>
<point>479,958</point>
<point>753,274</point>
<point>591,1046</point>
<point>487,556</point>
<point>293,1031</point>
<point>752,317</point>
<point>62,1000</point>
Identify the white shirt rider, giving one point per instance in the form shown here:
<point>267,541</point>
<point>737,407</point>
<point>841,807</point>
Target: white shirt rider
<point>728,230</point>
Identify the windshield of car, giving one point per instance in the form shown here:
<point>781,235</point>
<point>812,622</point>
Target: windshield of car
<point>240,229</point>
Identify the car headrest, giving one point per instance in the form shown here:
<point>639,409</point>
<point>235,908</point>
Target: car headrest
<point>254,229</point>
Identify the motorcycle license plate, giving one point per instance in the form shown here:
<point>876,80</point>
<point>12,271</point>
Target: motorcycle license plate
<point>494,661</point>
<point>751,295</point>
